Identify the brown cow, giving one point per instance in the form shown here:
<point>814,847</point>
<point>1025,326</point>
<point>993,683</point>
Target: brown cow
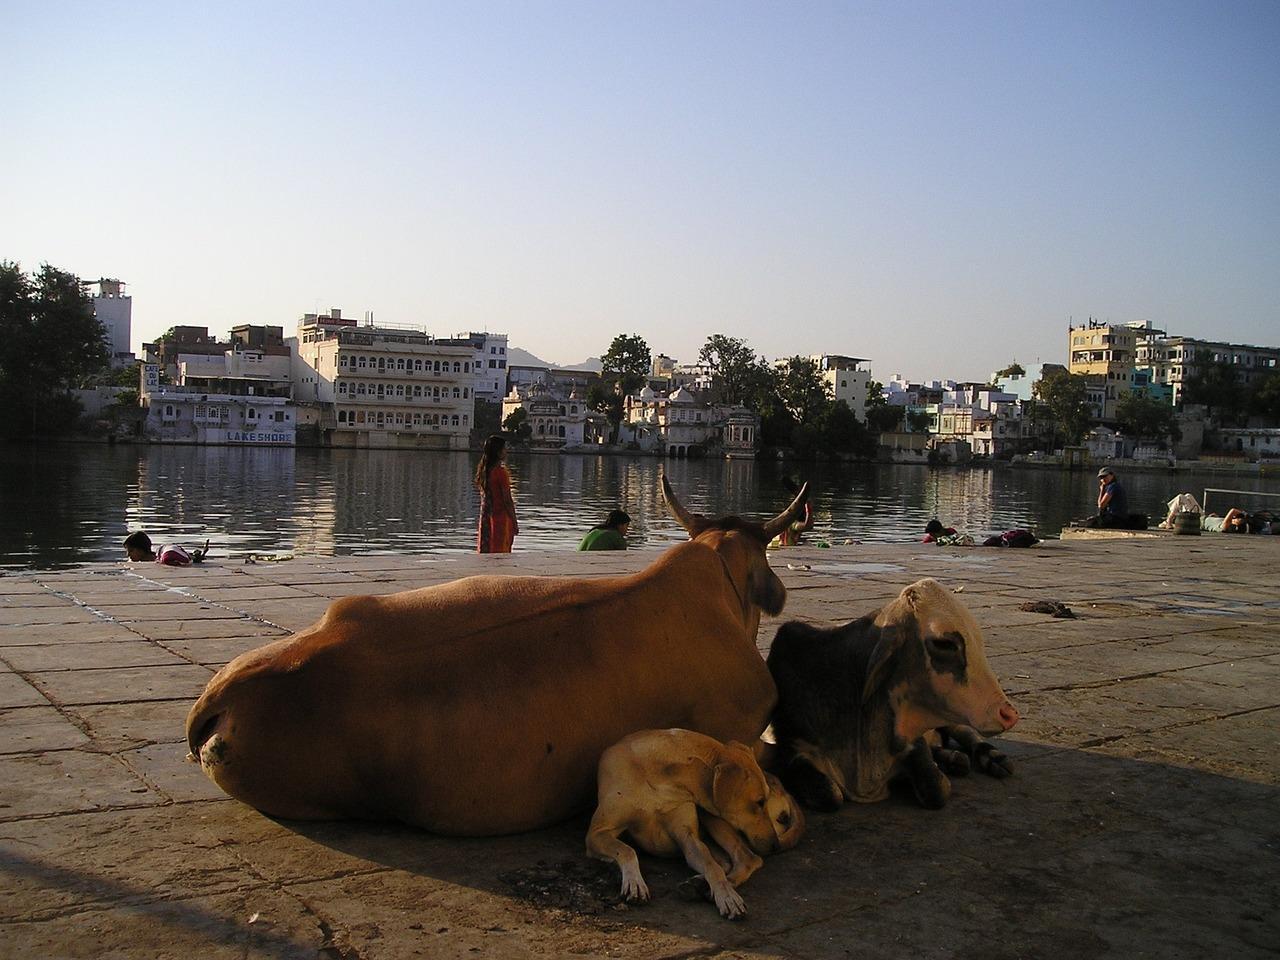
<point>861,704</point>
<point>482,706</point>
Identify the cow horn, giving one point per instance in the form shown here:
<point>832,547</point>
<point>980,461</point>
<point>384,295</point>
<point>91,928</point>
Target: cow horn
<point>690,521</point>
<point>793,512</point>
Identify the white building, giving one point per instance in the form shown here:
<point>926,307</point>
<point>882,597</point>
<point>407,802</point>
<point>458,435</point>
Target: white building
<point>182,414</point>
<point>114,310</point>
<point>385,386</point>
<point>488,362</point>
<point>238,372</point>
<point>848,380</point>
<point>555,421</point>
<point>678,423</point>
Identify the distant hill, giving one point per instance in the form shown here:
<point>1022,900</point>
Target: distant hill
<point>523,358</point>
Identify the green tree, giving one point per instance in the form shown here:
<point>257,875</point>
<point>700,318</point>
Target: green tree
<point>1146,418</point>
<point>1064,397</point>
<point>517,423</point>
<point>604,397</point>
<point>1265,401</point>
<point>1012,370</point>
<point>732,363</point>
<point>918,421</point>
<point>1216,386</point>
<point>803,390</point>
<point>50,341</point>
<point>881,416</point>
<point>843,432</point>
<point>627,361</point>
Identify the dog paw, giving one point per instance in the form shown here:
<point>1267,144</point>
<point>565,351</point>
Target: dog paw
<point>992,762</point>
<point>730,903</point>
<point>635,890</point>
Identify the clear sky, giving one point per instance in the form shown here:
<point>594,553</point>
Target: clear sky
<point>935,186</point>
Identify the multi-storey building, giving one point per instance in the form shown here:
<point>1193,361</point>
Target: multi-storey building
<point>678,423</point>
<point>1174,360</point>
<point>385,386</point>
<point>556,417</point>
<point>848,380</point>
<point>488,362</point>
<point>1106,354</point>
<point>186,413</point>
<point>114,310</point>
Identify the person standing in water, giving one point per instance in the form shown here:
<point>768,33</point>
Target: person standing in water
<point>498,525</point>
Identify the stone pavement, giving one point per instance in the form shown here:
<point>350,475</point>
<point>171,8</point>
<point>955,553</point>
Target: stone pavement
<point>1141,822</point>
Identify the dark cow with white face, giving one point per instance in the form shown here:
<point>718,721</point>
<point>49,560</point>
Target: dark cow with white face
<point>882,697</point>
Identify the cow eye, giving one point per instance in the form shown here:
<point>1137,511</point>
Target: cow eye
<point>945,644</point>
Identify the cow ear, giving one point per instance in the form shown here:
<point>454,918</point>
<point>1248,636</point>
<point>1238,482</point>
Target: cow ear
<point>765,588</point>
<point>892,637</point>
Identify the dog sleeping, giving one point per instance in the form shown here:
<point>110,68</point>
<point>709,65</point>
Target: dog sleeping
<point>657,786</point>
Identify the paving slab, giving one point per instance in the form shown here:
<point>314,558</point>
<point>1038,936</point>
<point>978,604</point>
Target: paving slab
<point>1140,820</point>
<point>70,655</point>
<point>122,684</point>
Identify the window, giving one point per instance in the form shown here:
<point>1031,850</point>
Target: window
<point>417,390</point>
<point>455,419</point>
<point>457,392</point>
<point>437,367</point>
<point>342,416</point>
<point>279,417</point>
<point>251,414</point>
<point>457,367</point>
<point>464,419</point>
<point>466,366</point>
<point>417,366</point>
<point>465,393</point>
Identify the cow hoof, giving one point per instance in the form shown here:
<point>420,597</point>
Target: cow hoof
<point>992,762</point>
<point>954,762</point>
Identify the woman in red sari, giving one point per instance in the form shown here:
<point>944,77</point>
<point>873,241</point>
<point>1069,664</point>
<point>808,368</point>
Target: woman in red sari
<point>498,525</point>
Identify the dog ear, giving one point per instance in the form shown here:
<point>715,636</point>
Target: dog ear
<point>734,770</point>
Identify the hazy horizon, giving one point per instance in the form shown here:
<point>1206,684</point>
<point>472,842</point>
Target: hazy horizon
<point>936,187</point>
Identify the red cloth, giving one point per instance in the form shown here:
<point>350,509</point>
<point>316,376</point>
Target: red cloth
<point>497,527</point>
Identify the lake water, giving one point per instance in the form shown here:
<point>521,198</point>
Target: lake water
<point>63,504</point>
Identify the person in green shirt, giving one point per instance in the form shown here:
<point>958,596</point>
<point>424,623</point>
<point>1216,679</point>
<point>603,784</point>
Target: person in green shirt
<point>610,535</point>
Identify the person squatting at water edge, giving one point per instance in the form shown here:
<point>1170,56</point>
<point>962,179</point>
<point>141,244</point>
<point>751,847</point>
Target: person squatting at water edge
<point>610,535</point>
<point>498,526</point>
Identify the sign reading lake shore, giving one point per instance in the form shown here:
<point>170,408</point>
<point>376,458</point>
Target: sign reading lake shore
<point>256,436</point>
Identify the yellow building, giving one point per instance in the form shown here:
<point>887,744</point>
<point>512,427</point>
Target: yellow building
<point>1105,353</point>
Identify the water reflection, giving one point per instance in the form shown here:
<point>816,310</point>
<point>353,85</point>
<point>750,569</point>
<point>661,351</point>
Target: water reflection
<point>67,504</point>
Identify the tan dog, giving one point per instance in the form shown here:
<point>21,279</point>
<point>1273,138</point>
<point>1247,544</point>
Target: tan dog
<point>656,785</point>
